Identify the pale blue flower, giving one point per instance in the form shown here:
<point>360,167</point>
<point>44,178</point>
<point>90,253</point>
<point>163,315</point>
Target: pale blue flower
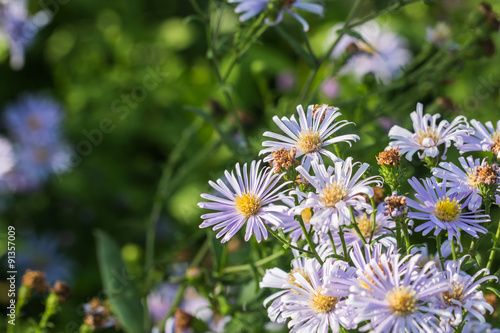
<point>251,8</point>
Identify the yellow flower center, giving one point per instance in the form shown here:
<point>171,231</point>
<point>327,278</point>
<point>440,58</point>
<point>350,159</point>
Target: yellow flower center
<point>293,280</point>
<point>447,210</point>
<point>248,204</point>
<point>333,194</point>
<point>495,149</point>
<point>402,301</point>
<point>323,304</point>
<point>309,141</point>
<point>306,215</point>
<point>455,294</point>
<point>428,134</point>
<point>365,225</point>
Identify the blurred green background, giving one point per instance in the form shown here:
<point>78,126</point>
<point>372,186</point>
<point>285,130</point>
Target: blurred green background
<point>94,57</point>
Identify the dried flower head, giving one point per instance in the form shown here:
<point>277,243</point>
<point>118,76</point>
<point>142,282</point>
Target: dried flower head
<point>36,280</point>
<point>98,314</point>
<point>395,205</point>
<point>389,156</point>
<point>183,321</point>
<point>492,300</point>
<point>284,159</point>
<point>62,290</point>
<point>491,17</point>
<point>317,110</point>
<point>485,175</point>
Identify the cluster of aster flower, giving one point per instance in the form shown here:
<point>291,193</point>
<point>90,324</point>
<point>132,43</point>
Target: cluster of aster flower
<point>19,28</point>
<point>354,265</point>
<point>37,148</point>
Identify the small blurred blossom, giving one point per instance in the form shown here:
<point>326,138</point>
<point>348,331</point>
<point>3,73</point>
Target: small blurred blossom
<point>35,124</point>
<point>384,53</point>
<point>330,88</point>
<point>285,81</point>
<point>20,28</point>
<point>251,8</point>
<point>160,300</point>
<point>386,123</point>
<point>43,253</point>
<point>7,158</point>
<point>34,119</point>
<point>440,34</point>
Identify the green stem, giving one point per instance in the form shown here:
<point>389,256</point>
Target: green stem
<point>493,250</point>
<point>309,241</point>
<point>312,74</point>
<point>285,242</point>
<point>355,224</point>
<point>198,9</point>
<point>333,243</point>
<point>374,221</point>
<point>50,309</point>
<point>175,303</point>
<point>248,267</point>
<point>381,12</point>
<point>453,251</point>
<point>438,245</point>
<point>406,236</point>
<point>342,240</point>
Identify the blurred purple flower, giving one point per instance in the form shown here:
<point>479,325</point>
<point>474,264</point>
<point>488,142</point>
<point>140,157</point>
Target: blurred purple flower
<point>43,253</point>
<point>160,300</point>
<point>330,88</point>
<point>7,158</point>
<point>285,81</point>
<point>34,119</point>
<point>20,28</point>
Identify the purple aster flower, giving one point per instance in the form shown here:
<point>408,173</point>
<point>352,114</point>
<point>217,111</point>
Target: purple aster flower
<point>475,326</point>
<point>160,300</point>
<point>428,134</point>
<point>310,135</point>
<point>317,298</point>
<point>396,300</point>
<point>247,200</point>
<point>382,232</point>
<point>362,255</point>
<point>442,211</point>
<point>463,179</point>
<point>251,8</point>
<point>337,189</point>
<point>34,119</point>
<point>462,293</point>
<point>483,139</point>
<point>20,28</point>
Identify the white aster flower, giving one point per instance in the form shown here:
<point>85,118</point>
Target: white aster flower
<point>384,53</point>
<point>337,189</point>
<point>475,326</point>
<point>309,135</point>
<point>316,302</point>
<point>396,300</point>
<point>428,135</point>
<point>462,293</point>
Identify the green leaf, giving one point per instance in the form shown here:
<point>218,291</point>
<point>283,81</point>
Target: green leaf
<point>494,290</point>
<point>478,257</point>
<point>119,284</point>
<point>496,249</point>
<point>216,249</point>
<point>468,264</point>
<point>297,47</point>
